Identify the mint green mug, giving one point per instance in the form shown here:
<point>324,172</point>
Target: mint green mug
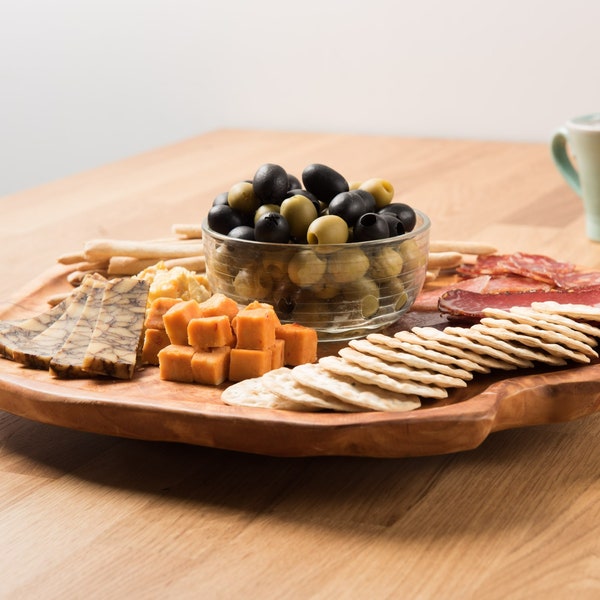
<point>582,136</point>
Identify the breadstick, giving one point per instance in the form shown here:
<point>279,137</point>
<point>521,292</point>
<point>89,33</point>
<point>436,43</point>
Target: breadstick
<point>189,230</point>
<point>465,247</point>
<point>102,249</point>
<point>127,265</point>
<point>444,260</point>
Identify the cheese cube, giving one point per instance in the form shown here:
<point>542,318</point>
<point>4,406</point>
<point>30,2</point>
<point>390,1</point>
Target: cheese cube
<point>175,363</point>
<point>154,341</point>
<point>300,343</point>
<point>246,364</point>
<point>211,367</point>
<point>219,304</point>
<point>255,329</point>
<point>210,332</point>
<point>176,320</point>
<point>158,307</point>
<point>278,354</point>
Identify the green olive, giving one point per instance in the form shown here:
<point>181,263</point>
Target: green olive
<point>387,263</point>
<point>241,197</point>
<point>347,265</point>
<point>264,209</point>
<point>414,257</point>
<point>251,285</point>
<point>299,212</point>
<point>365,292</point>
<point>393,293</point>
<point>381,189</point>
<point>325,290</point>
<point>328,229</point>
<point>306,268</point>
<point>276,265</point>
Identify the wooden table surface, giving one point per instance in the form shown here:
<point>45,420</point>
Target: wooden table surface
<point>88,516</point>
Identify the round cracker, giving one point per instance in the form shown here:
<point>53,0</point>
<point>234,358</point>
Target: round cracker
<point>501,359</point>
<point>549,336</point>
<point>339,366</point>
<point>349,390</point>
<point>429,354</point>
<point>399,370</point>
<point>390,355</point>
<point>252,392</point>
<point>535,320</point>
<point>282,383</point>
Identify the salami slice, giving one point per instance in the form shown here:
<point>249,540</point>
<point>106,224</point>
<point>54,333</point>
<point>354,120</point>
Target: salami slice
<point>538,266</point>
<point>577,279</point>
<point>467,304</point>
<point>491,264</point>
<point>516,283</point>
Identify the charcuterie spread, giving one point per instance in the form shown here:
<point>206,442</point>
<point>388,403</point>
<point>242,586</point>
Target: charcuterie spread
<point>153,305</point>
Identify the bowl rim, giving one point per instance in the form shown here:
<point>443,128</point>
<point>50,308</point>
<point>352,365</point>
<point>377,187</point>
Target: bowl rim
<point>417,231</point>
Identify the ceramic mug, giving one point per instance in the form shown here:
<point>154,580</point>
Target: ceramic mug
<point>582,136</point>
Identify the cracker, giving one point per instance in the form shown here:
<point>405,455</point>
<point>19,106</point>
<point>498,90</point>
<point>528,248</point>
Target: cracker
<point>548,317</point>
<point>503,339</point>
<point>535,320</point>
<point>399,370</point>
<point>547,335</point>
<point>282,383</point>
<point>395,356</point>
<point>428,354</point>
<point>349,390</point>
<point>536,342</point>
<point>252,392</point>
<point>575,311</point>
<point>339,366</point>
<point>501,359</point>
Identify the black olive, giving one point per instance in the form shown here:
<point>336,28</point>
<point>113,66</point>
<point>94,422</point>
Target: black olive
<point>272,227</point>
<point>323,181</point>
<point>242,232</point>
<point>371,226</point>
<point>293,182</point>
<point>222,218</point>
<point>270,184</point>
<point>395,225</point>
<point>404,212</point>
<point>349,206</point>
<point>221,198</point>
<point>368,199</point>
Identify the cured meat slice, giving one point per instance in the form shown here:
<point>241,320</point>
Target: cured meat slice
<point>468,304</point>
<point>577,279</point>
<point>538,266</point>
<point>428,300</point>
<point>491,264</point>
<point>115,344</point>
<point>515,283</point>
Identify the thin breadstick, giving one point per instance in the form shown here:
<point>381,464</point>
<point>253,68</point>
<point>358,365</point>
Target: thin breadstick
<point>189,230</point>
<point>72,258</point>
<point>127,265</point>
<point>431,275</point>
<point>102,249</point>
<point>465,247</point>
<point>444,260</point>
<point>76,277</point>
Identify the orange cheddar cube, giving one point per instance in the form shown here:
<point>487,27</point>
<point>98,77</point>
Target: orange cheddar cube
<point>209,332</point>
<point>300,343</point>
<point>255,329</point>
<point>278,354</point>
<point>158,307</point>
<point>175,363</point>
<point>211,367</point>
<point>246,364</point>
<point>154,341</point>
<point>176,320</point>
<point>256,304</point>
<point>217,305</point>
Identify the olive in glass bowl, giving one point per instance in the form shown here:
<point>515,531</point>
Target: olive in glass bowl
<point>343,290</point>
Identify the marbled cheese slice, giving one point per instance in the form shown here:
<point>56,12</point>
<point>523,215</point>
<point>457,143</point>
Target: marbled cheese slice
<point>39,350</point>
<point>115,344</point>
<point>68,360</point>
<point>16,333</point>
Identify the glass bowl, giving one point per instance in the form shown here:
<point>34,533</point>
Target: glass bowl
<point>343,291</point>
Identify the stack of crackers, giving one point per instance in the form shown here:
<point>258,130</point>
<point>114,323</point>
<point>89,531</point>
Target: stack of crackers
<point>397,373</point>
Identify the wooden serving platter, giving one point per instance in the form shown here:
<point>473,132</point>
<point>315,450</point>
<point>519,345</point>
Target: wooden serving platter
<point>150,409</point>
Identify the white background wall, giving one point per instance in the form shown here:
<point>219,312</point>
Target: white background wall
<point>86,82</point>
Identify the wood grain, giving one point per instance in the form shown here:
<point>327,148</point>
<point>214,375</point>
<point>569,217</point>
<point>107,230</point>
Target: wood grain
<point>83,514</point>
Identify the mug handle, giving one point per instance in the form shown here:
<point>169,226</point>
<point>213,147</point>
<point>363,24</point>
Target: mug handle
<point>562,160</point>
